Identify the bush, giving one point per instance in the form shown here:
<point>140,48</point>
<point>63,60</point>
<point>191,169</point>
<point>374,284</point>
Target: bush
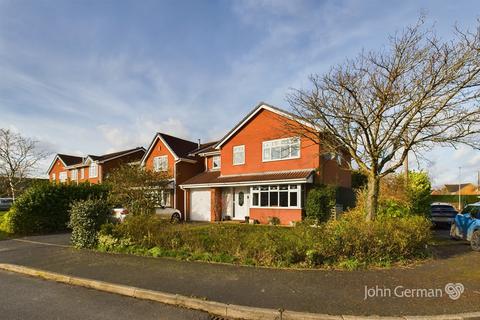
<point>86,218</point>
<point>321,202</point>
<point>349,242</point>
<point>419,193</point>
<point>44,207</point>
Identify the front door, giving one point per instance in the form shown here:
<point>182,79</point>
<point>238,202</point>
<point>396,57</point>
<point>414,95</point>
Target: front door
<point>241,204</point>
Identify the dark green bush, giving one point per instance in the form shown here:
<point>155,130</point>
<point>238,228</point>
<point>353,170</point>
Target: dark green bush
<point>44,207</point>
<point>86,218</point>
<point>419,193</point>
<point>349,242</point>
<point>321,202</point>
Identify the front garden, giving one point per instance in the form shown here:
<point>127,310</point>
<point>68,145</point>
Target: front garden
<point>399,235</point>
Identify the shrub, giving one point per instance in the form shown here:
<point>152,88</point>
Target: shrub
<point>419,193</point>
<point>321,202</point>
<point>45,207</point>
<point>86,218</point>
<point>349,242</point>
<point>274,221</point>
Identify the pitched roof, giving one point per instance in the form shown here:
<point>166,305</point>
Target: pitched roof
<point>70,160</point>
<point>113,155</point>
<point>180,147</point>
<point>258,108</point>
<point>214,177</point>
<point>205,148</point>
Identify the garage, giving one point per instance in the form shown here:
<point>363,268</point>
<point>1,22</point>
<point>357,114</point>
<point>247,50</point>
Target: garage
<point>200,205</point>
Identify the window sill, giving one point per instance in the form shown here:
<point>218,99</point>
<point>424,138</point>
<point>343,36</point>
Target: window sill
<point>277,208</point>
<point>294,158</point>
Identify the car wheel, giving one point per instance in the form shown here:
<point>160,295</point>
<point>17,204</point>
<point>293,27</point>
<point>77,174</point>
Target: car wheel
<point>475,241</point>
<point>175,218</point>
<point>453,231</point>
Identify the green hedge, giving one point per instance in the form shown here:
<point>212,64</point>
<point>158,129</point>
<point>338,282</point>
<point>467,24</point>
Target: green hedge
<point>86,217</point>
<point>322,199</point>
<point>453,199</point>
<point>44,207</point>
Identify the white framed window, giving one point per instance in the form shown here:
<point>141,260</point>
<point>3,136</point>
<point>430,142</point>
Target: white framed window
<point>277,196</point>
<point>54,176</point>
<point>281,149</point>
<point>216,162</point>
<point>82,173</point>
<point>239,155</point>
<point>93,171</point>
<point>160,163</point>
<point>63,176</point>
<point>74,174</point>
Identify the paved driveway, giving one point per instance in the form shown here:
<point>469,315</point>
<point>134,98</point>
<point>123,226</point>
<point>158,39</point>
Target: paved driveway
<point>333,292</point>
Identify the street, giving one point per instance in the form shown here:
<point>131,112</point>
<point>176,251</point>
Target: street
<point>31,298</point>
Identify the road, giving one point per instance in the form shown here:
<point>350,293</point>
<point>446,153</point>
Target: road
<point>27,298</point>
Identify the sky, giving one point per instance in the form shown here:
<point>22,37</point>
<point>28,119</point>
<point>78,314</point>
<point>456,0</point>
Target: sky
<point>91,77</point>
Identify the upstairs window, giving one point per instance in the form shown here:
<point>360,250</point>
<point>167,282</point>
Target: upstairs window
<point>238,155</point>
<point>93,171</point>
<point>82,173</point>
<point>74,174</point>
<point>281,149</point>
<point>216,163</point>
<point>63,176</point>
<point>160,163</point>
<point>54,177</point>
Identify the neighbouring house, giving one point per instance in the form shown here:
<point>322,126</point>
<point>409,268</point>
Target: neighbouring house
<point>178,158</point>
<point>259,170</point>
<point>465,189</point>
<point>91,168</point>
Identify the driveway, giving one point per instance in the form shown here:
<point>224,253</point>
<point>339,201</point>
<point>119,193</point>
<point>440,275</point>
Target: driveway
<point>332,292</point>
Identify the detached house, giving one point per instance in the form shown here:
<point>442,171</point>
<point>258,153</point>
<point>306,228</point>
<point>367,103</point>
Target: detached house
<point>93,169</point>
<point>178,158</point>
<point>260,170</point>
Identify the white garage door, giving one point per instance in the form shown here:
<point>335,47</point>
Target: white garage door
<point>200,205</point>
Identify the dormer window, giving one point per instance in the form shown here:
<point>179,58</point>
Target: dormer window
<point>216,163</point>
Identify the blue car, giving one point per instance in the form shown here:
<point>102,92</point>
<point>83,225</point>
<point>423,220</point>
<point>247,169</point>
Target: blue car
<point>466,225</point>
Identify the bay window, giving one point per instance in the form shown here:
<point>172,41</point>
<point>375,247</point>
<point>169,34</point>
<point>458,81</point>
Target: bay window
<point>276,196</point>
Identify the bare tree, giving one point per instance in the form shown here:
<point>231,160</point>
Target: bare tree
<point>19,157</point>
<point>416,93</point>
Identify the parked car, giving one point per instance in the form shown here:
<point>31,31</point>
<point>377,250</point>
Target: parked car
<point>171,214</point>
<point>5,204</point>
<point>466,225</point>
<point>442,213</point>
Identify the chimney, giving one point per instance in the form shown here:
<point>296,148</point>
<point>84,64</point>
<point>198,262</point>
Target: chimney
<point>199,143</point>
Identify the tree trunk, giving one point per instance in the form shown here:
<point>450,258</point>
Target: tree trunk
<point>12,188</point>
<point>373,195</point>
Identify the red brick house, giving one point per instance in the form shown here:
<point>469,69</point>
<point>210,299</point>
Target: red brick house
<point>179,159</point>
<point>260,170</point>
<point>93,169</point>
